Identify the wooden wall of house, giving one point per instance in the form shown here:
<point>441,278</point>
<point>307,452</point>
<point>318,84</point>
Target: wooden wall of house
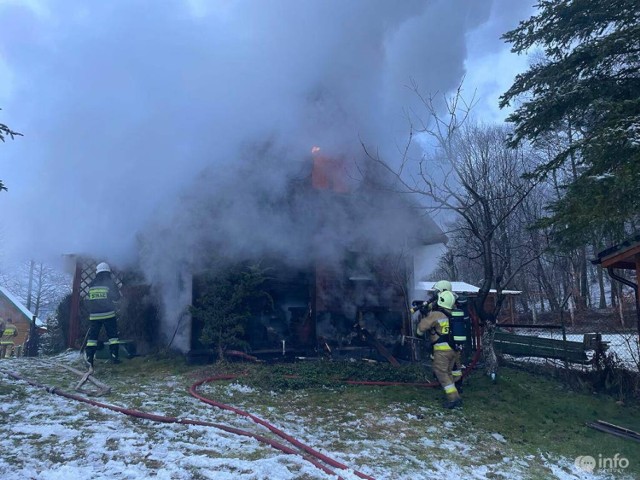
<point>9,311</point>
<point>334,290</point>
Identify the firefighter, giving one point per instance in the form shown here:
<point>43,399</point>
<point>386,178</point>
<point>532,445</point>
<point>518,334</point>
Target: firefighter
<point>444,356</point>
<point>9,332</point>
<point>445,286</point>
<point>102,302</point>
<point>442,286</point>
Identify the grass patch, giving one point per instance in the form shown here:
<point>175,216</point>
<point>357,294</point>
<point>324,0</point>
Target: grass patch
<point>534,414</point>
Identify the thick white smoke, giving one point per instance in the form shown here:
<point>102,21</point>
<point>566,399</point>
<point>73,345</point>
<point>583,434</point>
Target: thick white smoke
<point>157,131</point>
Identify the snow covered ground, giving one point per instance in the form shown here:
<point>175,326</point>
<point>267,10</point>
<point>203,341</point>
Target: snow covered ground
<point>49,437</point>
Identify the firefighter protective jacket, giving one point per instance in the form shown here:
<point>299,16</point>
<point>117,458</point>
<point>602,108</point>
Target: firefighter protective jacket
<point>437,323</point>
<point>9,332</point>
<point>102,298</point>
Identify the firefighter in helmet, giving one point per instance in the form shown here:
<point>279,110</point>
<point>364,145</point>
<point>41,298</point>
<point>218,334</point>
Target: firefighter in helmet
<point>436,322</point>
<point>102,302</point>
<point>438,287</point>
<point>442,286</point>
<point>7,335</point>
<point>445,286</point>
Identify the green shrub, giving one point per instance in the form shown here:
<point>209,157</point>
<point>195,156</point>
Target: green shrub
<point>225,302</point>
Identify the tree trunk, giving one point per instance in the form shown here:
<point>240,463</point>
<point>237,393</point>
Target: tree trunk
<point>584,278</point>
<point>541,296</point>
<point>576,285</point>
<point>32,343</point>
<point>547,287</point>
<point>620,303</point>
<point>39,290</point>
<point>525,302</point>
<point>578,264</point>
<point>603,295</point>
<point>621,312</point>
<point>32,265</point>
<point>488,351</point>
<point>572,311</point>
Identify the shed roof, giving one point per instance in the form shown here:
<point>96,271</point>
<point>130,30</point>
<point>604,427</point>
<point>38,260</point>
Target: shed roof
<point>16,302</point>
<point>624,255</point>
<point>463,287</point>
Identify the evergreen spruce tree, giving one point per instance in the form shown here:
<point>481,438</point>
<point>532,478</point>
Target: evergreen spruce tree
<point>227,300</point>
<point>587,90</point>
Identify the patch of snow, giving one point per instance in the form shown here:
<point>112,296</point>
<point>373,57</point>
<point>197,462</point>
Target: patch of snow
<point>48,437</point>
<point>499,437</point>
<point>239,388</point>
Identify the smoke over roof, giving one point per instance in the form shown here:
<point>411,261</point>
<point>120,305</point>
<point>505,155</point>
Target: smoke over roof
<point>170,128</point>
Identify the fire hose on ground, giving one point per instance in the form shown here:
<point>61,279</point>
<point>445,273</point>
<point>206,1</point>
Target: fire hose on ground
<point>311,455</point>
<point>193,391</point>
<point>314,453</point>
<point>474,360</point>
<point>434,384</point>
<point>186,421</point>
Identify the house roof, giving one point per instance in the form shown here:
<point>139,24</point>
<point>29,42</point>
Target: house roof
<point>16,302</point>
<point>624,255</point>
<point>463,287</point>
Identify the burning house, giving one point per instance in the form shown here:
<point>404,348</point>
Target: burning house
<point>364,248</point>
<point>367,246</point>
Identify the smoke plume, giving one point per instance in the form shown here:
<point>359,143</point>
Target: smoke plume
<point>158,133</point>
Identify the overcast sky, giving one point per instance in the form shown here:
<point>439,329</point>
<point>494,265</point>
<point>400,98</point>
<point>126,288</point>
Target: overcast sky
<point>133,109</point>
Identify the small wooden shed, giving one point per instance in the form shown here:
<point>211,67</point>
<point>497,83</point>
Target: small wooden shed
<point>507,313</point>
<point>11,308</point>
<point>624,256</point>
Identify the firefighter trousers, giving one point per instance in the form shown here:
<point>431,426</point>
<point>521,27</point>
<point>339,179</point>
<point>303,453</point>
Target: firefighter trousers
<point>111,327</point>
<point>443,361</point>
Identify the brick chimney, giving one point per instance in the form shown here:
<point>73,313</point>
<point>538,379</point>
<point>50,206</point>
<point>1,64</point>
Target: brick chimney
<point>328,173</point>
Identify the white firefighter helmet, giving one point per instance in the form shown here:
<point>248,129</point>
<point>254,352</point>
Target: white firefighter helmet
<point>443,286</point>
<point>446,300</point>
<point>103,267</point>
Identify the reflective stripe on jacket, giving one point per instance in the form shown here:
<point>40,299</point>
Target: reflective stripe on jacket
<point>9,332</point>
<point>438,324</point>
<point>102,297</point>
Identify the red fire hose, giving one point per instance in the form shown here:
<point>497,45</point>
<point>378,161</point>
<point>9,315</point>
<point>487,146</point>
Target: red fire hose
<point>434,384</point>
<point>314,453</point>
<point>312,456</point>
<point>244,356</point>
<point>264,423</point>
<point>185,421</point>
